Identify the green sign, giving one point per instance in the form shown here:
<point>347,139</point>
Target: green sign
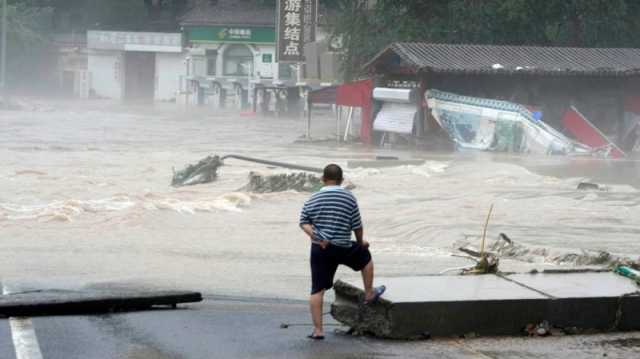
<point>231,34</point>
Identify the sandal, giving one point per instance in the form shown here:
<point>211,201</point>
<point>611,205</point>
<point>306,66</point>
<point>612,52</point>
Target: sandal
<point>377,292</point>
<point>315,337</point>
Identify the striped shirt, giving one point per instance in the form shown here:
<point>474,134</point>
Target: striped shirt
<point>334,214</point>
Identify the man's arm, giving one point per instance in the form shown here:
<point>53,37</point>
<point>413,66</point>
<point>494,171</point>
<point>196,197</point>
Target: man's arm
<point>356,225</point>
<point>308,229</point>
<point>358,232</point>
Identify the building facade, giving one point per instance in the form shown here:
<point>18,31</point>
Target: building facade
<point>135,66</point>
<point>230,49</point>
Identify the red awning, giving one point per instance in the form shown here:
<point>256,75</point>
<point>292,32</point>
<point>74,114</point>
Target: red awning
<point>353,94</point>
<point>585,132</point>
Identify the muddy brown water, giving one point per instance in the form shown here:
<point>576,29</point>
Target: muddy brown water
<point>85,199</point>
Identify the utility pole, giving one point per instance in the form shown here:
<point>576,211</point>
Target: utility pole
<point>3,65</point>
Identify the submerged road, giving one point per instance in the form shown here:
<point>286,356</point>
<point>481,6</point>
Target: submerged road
<point>247,328</point>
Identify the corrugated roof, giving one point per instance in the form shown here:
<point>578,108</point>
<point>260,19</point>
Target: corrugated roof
<point>230,13</point>
<point>514,59</point>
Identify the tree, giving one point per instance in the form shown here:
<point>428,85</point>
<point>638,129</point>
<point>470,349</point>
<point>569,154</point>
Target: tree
<point>580,23</point>
<point>26,39</point>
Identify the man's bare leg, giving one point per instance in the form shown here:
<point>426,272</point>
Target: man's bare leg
<point>367,280</point>
<point>315,304</point>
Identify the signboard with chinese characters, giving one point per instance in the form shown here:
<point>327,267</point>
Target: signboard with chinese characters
<point>219,34</point>
<point>290,30</point>
<point>134,41</point>
<point>310,20</point>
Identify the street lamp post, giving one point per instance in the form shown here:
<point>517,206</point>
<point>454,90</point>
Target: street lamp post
<point>3,65</point>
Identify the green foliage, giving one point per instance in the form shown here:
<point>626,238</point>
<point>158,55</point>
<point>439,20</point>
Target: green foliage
<point>579,23</point>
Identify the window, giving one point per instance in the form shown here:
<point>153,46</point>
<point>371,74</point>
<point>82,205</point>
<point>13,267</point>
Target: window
<point>267,58</point>
<point>212,62</point>
<point>238,61</point>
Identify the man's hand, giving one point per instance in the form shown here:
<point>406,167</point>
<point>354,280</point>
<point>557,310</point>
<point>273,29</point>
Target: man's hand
<point>323,243</point>
<point>365,244</point>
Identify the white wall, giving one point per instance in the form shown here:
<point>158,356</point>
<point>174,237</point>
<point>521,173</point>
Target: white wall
<point>107,73</point>
<point>169,68</point>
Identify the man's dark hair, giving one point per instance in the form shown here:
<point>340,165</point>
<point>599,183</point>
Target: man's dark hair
<point>332,172</point>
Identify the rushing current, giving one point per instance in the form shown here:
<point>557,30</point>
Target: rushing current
<point>85,200</point>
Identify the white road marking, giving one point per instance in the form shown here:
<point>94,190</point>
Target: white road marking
<point>24,337</point>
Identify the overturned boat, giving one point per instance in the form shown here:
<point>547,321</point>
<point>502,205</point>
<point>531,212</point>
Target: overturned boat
<point>493,125</point>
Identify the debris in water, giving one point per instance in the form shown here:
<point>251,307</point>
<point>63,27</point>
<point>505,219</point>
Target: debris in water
<point>505,247</point>
<point>204,171</point>
<point>300,181</point>
<point>586,186</point>
<point>500,126</point>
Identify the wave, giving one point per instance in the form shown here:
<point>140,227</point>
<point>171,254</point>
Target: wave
<point>231,202</point>
<point>65,211</point>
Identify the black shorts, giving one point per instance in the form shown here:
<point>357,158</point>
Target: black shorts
<point>324,263</point>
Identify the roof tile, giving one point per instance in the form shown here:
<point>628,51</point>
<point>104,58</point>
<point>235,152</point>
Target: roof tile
<point>516,59</point>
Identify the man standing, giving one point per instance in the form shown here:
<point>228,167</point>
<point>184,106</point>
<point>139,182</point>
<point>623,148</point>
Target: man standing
<point>328,218</point>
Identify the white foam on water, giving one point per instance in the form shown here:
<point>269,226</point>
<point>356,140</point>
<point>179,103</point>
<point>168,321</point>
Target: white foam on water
<point>360,172</point>
<point>231,202</point>
<point>428,169</point>
<point>65,210</point>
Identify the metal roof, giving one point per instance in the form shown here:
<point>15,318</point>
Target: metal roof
<point>495,59</point>
<point>230,13</point>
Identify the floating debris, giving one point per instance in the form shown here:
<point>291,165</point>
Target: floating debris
<point>586,186</point>
<point>204,171</point>
<point>505,247</point>
<point>299,181</point>
<point>500,126</point>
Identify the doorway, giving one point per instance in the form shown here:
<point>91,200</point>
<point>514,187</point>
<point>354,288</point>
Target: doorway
<point>139,76</point>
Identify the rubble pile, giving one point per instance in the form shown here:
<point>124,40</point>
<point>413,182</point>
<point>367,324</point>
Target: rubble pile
<point>299,181</point>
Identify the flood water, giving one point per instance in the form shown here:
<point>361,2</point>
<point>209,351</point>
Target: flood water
<point>85,201</point>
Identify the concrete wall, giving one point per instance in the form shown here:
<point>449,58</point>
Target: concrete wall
<point>106,71</point>
<point>169,68</point>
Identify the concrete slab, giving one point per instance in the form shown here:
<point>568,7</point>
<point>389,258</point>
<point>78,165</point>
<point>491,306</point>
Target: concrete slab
<point>52,302</point>
<point>601,301</point>
<point>452,288</point>
<point>489,304</point>
<point>577,285</point>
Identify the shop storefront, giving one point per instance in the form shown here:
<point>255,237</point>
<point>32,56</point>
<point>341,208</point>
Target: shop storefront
<point>231,53</point>
<point>135,66</point>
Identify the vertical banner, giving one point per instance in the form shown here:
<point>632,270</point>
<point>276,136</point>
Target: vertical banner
<point>310,20</point>
<point>291,30</point>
